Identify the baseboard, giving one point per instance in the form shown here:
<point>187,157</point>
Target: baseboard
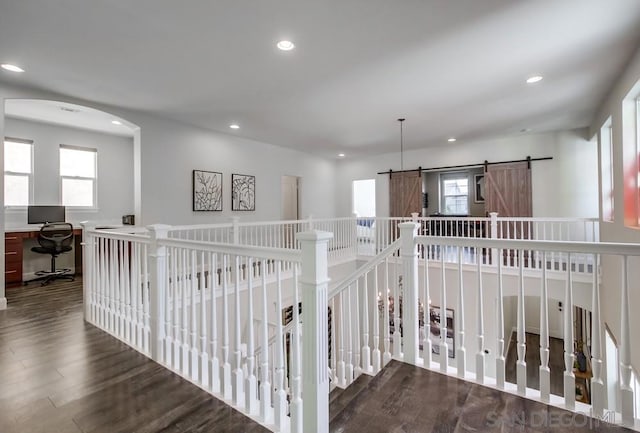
<point>3,303</point>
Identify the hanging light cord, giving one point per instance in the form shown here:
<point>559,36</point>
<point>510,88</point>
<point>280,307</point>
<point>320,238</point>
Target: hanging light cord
<point>401,146</point>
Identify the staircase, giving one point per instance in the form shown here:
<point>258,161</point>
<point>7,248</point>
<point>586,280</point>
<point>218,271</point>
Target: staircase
<point>406,398</point>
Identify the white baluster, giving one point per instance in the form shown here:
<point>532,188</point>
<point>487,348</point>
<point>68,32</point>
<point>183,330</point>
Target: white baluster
<point>340,368</point>
<point>349,316</point>
<point>461,352</point>
<point>545,373</point>
<point>598,389</point>
<point>410,301</point>
<point>626,393</point>
<point>266,412</point>
<point>480,325</point>
<point>500,362</point>
<point>238,374</point>
<point>226,366</point>
<point>444,347</point>
<point>569,378</point>
<point>126,288</point>
<point>170,294</point>
<point>397,339</point>
<point>521,365</point>
<point>251,383</point>
<point>296,379</point>
<point>357,366</point>
<point>145,296</point>
<point>375,354</point>
<point>185,318</point>
<point>386,357</point>
<point>426,344</point>
<point>204,357</point>
<point>280,397</point>
<point>177,297</point>
<point>193,328</point>
<point>366,350</point>
<point>214,368</point>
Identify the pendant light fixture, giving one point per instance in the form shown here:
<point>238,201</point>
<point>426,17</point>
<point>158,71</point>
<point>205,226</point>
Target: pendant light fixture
<point>401,145</point>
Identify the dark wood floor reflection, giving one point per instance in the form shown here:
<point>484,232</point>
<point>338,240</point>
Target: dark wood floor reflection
<point>59,374</point>
<point>403,398</point>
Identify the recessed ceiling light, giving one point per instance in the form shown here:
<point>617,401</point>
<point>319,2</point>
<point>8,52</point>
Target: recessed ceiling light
<point>116,122</point>
<point>11,68</point>
<point>451,140</point>
<point>285,45</point>
<point>534,79</point>
<point>234,126</point>
<point>341,155</point>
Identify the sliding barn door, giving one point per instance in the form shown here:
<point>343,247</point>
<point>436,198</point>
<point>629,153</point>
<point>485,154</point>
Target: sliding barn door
<point>508,189</point>
<point>405,193</point>
<point>508,192</point>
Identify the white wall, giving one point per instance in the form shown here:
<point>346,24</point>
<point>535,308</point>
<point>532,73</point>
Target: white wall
<point>616,106</point>
<point>562,187</point>
<point>171,150</point>
<point>115,169</point>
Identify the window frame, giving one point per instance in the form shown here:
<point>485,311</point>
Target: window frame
<point>29,175</point>
<point>607,197</point>
<point>449,175</point>
<point>94,179</point>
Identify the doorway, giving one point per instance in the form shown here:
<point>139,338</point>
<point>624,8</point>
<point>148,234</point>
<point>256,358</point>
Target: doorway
<point>364,198</point>
<point>290,198</point>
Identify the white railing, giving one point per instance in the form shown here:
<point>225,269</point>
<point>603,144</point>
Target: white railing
<point>212,311</point>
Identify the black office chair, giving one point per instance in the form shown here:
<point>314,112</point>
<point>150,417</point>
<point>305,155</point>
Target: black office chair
<point>54,239</point>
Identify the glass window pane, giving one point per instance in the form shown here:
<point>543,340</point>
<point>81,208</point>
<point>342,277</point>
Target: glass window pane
<point>75,162</point>
<point>16,190</point>
<point>17,157</point>
<point>456,205</point>
<point>77,192</point>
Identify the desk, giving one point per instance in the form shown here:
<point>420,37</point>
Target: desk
<point>14,239</point>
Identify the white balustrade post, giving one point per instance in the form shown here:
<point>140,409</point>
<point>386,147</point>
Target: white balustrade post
<point>598,389</point>
<point>414,216</point>
<point>310,219</point>
<point>493,226</point>
<point>545,372</point>
<point>157,289</point>
<point>314,281</point>
<point>626,393</point>
<point>88,270</point>
<point>521,364</point>
<point>409,256</point>
<point>569,357</point>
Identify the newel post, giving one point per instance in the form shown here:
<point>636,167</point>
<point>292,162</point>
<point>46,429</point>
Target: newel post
<point>314,282</point>
<point>157,289</point>
<point>408,252</point>
<point>88,270</point>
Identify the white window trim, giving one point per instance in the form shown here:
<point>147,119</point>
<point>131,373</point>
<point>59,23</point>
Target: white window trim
<point>94,207</point>
<point>453,175</point>
<point>10,208</point>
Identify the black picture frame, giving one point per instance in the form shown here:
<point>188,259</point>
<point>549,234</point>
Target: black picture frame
<point>434,331</point>
<point>243,192</point>
<point>206,191</point>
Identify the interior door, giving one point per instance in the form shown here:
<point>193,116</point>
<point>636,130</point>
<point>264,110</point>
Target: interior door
<point>508,192</point>
<point>405,193</point>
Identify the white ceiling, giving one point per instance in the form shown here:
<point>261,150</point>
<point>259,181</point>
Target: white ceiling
<point>62,113</point>
<point>451,67</point>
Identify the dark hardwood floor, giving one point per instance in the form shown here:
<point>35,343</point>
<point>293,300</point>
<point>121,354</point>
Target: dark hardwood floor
<point>532,358</point>
<point>59,374</point>
<point>404,398</point>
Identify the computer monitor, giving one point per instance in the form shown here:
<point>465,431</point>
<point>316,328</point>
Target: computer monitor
<point>45,214</point>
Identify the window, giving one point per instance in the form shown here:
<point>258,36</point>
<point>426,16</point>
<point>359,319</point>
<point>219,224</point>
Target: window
<point>18,172</point>
<point>78,176</point>
<point>606,167</point>
<point>454,190</point>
